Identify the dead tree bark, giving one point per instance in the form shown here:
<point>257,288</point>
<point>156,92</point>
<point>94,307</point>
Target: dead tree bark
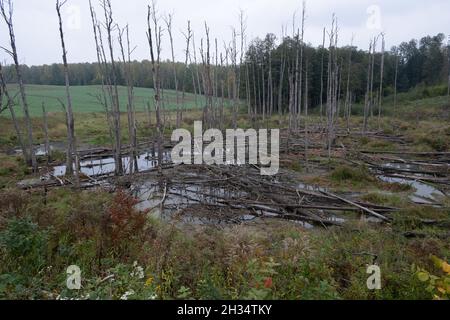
<point>109,26</point>
<point>348,111</point>
<point>281,82</point>
<point>10,105</point>
<point>306,118</point>
<point>197,73</point>
<point>169,21</point>
<point>396,78</point>
<point>448,64</point>
<point>300,85</point>
<point>367,97</point>
<point>71,139</point>
<point>6,8</point>
<point>321,75</point>
<point>235,66</point>
<point>47,141</point>
<point>102,70</point>
<point>333,83</point>
<point>154,41</point>
<point>372,76</point>
<point>380,97</point>
<point>131,112</point>
<point>188,38</point>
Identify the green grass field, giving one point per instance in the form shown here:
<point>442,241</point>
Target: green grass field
<point>85,98</point>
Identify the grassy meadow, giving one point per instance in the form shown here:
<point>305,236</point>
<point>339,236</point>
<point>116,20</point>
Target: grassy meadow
<point>85,98</point>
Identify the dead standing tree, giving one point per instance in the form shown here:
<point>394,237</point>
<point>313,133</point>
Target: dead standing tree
<point>131,112</point>
<point>114,92</point>
<point>6,8</point>
<point>188,37</point>
<point>10,104</point>
<point>154,40</point>
<point>71,139</point>
<point>367,97</point>
<point>348,94</point>
<point>169,20</point>
<point>333,84</point>
<point>208,118</point>
<point>102,70</point>
<point>300,68</point>
<point>380,95</point>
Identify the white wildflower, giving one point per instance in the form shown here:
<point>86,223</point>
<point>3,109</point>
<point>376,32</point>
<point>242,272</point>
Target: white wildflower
<point>126,295</point>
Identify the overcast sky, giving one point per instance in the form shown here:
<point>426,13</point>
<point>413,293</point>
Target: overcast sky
<point>38,38</point>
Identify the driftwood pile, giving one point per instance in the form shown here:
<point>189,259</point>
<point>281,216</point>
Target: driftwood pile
<point>233,192</point>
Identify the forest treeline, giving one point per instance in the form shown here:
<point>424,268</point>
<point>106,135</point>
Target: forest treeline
<point>411,63</point>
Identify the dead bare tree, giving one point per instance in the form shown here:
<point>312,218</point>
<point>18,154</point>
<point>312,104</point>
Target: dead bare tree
<point>281,81</point>
<point>372,76</point>
<point>397,58</point>
<point>300,71</point>
<point>380,95</point>
<point>197,73</point>
<point>131,111</point>
<point>45,127</point>
<point>207,80</point>
<point>6,8</point>
<point>71,138</point>
<point>114,92</point>
<point>322,74</point>
<point>235,74</point>
<point>348,111</point>
<point>306,117</point>
<point>154,35</point>
<point>333,84</point>
<point>367,97</point>
<point>103,70</point>
<point>10,104</point>
<point>448,71</point>
<point>188,37</point>
<point>169,21</point>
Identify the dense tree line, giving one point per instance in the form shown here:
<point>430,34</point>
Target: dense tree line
<point>418,62</point>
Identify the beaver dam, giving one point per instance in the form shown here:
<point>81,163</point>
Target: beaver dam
<point>235,194</point>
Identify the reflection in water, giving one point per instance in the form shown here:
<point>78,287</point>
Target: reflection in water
<point>424,193</point>
<point>96,167</point>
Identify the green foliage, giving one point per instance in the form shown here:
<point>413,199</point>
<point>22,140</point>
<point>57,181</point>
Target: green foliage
<point>437,286</point>
<point>357,175</point>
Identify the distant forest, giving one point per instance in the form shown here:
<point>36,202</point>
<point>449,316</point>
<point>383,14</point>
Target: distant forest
<point>261,70</point>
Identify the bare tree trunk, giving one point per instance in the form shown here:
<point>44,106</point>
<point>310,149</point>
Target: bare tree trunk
<point>169,21</point>
<point>321,75</point>
<point>300,87</point>
<point>367,98</point>
<point>233,56</point>
<point>7,13</point>
<point>156,34</point>
<point>188,37</point>
<point>380,97</point>
<point>348,92</point>
<point>71,139</point>
<point>396,79</point>
<point>280,86</point>
<point>372,76</point>
<point>10,106</point>
<point>131,113</point>
<point>306,118</point>
<point>48,152</point>
<point>448,57</point>
<point>196,65</point>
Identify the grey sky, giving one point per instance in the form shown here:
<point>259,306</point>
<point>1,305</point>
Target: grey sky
<point>38,38</point>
